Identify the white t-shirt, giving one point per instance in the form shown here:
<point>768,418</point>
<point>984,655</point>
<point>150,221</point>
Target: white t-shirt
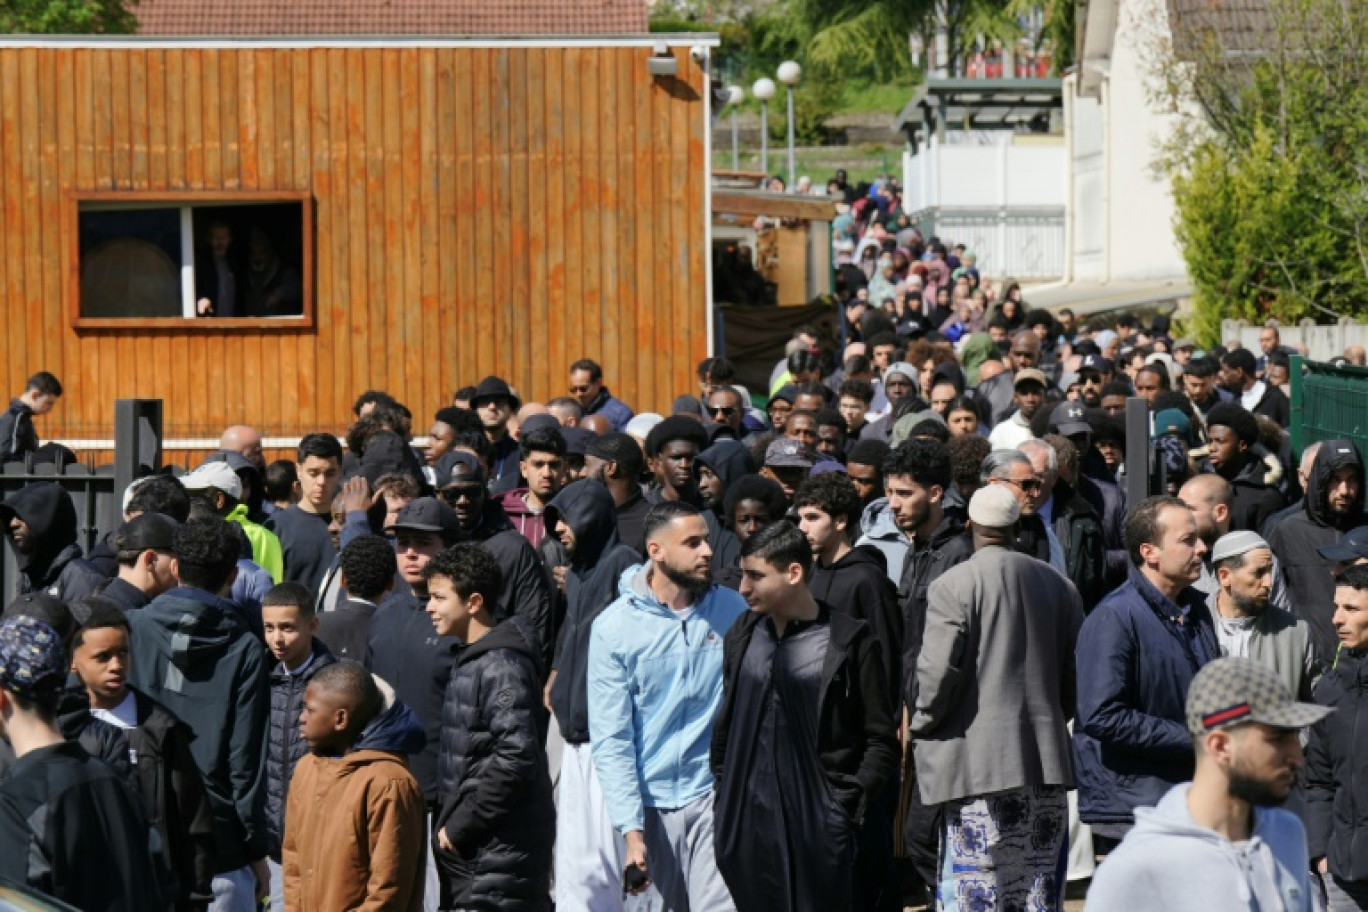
<point>124,716</point>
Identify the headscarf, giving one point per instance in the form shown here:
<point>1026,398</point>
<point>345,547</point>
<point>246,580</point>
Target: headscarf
<point>977,348</point>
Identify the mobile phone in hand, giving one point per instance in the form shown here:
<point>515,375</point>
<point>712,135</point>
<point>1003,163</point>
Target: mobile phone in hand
<point>634,879</point>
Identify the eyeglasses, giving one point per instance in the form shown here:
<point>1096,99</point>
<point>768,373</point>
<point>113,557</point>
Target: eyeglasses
<point>580,389</point>
<point>727,410</point>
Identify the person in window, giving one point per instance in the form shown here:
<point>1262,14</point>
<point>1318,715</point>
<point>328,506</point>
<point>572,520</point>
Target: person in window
<point>218,280</point>
<point>272,289</point>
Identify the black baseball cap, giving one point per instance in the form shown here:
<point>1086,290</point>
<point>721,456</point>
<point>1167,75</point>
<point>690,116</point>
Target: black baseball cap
<point>1354,546</point>
<point>147,532</point>
<point>427,514</point>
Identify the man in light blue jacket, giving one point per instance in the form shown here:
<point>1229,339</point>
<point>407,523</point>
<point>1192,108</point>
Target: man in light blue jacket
<point>655,685</point>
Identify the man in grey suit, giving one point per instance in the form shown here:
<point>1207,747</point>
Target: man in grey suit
<point>995,690</point>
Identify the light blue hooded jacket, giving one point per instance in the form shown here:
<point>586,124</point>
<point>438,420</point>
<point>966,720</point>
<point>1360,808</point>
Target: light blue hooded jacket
<point>655,685</point>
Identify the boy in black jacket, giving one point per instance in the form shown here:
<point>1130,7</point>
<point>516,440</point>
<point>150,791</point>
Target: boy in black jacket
<point>804,738</point>
<point>70,826</point>
<point>159,749</point>
<point>287,615</point>
<point>495,790</point>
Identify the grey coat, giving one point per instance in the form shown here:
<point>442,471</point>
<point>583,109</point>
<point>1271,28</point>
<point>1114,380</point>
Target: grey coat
<point>995,678</point>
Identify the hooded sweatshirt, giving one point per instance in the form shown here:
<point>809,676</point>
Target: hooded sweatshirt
<point>655,685</point>
<point>1297,537</point>
<point>1170,863</point>
<point>591,585</point>
<point>858,585</point>
<point>368,792</point>
<point>527,521</point>
<point>193,653</point>
<point>526,590</point>
<point>53,561</point>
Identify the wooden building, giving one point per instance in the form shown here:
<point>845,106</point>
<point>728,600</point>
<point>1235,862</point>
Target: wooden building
<point>449,208</point>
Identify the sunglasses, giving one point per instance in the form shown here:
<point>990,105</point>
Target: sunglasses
<point>467,492</point>
<point>1028,485</point>
<point>580,389</point>
<point>722,410</point>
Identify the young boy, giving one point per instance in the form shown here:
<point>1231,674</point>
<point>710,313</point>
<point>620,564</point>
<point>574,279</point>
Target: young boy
<point>17,436</point>
<point>494,787</point>
<point>70,826</point>
<point>287,615</point>
<point>354,832</point>
<point>159,750</point>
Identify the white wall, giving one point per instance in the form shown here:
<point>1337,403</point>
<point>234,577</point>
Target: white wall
<point>1122,213</point>
<point>1004,174</point>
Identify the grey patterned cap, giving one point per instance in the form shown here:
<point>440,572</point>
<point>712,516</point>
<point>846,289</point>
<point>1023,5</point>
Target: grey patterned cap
<point>1233,691</point>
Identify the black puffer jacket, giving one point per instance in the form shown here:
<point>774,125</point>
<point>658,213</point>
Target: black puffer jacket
<point>1255,499</point>
<point>52,561</point>
<point>496,805</point>
<point>1336,771</point>
<point>284,746</point>
<point>1079,530</point>
<point>591,585</point>
<point>1297,537</point>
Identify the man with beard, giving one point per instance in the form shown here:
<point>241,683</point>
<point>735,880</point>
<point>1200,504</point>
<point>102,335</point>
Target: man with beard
<point>1211,497</point>
<point>614,460</point>
<point>917,475</point>
<point>588,853</point>
<point>1232,433</point>
<point>899,382</point>
<point>1336,763</point>
<point>494,402</point>
<point>1333,506</point>
<point>795,754</point>
<point>1199,382</point>
<point>672,451</point>
<point>586,385</point>
<point>1137,652</point>
<point>654,650</point>
<point>1248,625</point>
<point>405,652</point>
<point>523,588</point>
<point>1223,835</point>
<point>1013,469</point>
<point>39,522</point>
<point>273,289</point>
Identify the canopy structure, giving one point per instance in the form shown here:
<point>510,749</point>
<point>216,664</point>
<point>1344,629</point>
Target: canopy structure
<point>980,104</point>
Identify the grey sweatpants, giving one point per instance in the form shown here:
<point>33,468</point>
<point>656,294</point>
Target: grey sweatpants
<point>680,858</point>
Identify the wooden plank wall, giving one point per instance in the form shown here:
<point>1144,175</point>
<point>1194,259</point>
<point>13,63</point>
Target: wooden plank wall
<point>495,210</point>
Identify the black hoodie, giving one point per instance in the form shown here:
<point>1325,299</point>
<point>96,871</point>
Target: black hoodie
<point>591,584</point>
<point>193,653</point>
<point>526,591</point>
<point>53,560</point>
<point>1297,537</point>
<point>1255,499</point>
<point>858,585</point>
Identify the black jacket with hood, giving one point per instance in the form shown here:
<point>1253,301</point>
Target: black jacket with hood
<point>496,803</point>
<point>53,561</point>
<point>858,585</point>
<point>949,545</point>
<point>17,436</point>
<point>284,745</point>
<point>1297,537</point>
<point>526,591</point>
<point>100,739</point>
<point>1079,530</point>
<point>1255,499</point>
<point>193,653</point>
<point>591,585</point>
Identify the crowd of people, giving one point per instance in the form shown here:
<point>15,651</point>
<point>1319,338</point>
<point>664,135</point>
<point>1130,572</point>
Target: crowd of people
<point>887,632</point>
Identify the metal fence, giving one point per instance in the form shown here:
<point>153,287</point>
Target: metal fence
<point>1328,402</point>
<point>96,491</point>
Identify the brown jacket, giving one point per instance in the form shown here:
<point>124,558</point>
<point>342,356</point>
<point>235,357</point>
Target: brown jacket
<point>355,835</point>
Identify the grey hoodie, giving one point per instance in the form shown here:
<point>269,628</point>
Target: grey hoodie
<point>878,528</point>
<point>1168,863</point>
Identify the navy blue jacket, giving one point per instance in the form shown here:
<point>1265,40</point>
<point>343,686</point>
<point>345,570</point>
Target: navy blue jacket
<point>1137,653</point>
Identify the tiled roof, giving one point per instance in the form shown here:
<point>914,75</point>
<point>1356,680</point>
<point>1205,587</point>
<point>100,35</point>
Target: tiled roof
<point>1234,25</point>
<point>391,17</point>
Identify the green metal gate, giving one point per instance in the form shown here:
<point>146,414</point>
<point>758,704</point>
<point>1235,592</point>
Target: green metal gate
<point>1328,402</point>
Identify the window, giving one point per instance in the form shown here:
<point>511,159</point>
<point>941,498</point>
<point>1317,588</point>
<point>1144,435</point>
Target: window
<point>196,261</point>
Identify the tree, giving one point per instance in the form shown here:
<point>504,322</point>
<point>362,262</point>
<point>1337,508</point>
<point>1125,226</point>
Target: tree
<point>68,17</point>
<point>1269,167</point>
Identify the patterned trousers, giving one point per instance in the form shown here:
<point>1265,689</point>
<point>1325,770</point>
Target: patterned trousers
<point>1005,852</point>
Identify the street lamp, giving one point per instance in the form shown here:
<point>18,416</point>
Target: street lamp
<point>735,95</point>
<point>790,73</point>
<point>763,90</point>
